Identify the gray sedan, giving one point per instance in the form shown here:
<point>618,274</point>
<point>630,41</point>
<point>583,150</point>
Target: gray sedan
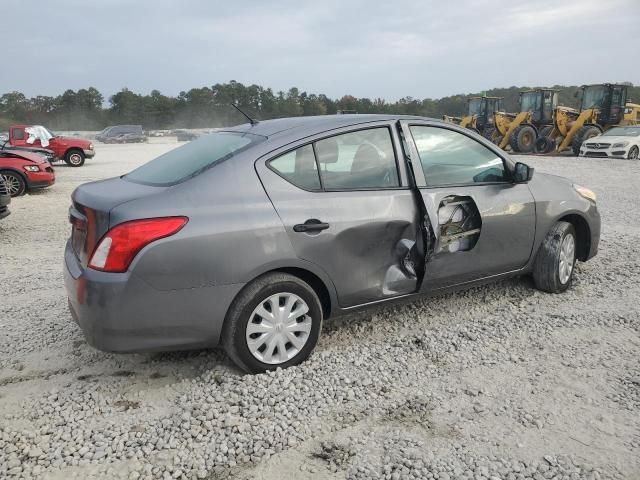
<point>251,236</point>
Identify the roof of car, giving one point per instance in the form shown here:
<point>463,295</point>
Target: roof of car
<point>316,124</point>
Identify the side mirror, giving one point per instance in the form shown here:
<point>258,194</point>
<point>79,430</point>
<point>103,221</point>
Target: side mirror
<point>522,173</point>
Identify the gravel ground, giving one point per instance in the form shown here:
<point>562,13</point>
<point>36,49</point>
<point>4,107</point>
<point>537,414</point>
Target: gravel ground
<point>497,382</point>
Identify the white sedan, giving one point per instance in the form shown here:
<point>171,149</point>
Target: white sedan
<point>619,142</point>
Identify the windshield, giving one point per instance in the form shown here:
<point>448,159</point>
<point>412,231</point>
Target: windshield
<point>623,132</point>
<point>528,102</point>
<point>193,158</point>
<point>474,106</point>
<point>594,97</point>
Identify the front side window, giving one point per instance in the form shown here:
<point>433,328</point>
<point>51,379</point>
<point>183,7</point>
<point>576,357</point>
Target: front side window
<point>594,97</point>
<point>298,167</point>
<point>451,158</point>
<point>362,159</point>
<point>193,158</point>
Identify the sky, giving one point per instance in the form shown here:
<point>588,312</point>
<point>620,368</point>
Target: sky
<point>418,48</point>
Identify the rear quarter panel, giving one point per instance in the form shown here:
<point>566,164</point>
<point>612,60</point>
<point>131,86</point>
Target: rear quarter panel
<point>233,233</point>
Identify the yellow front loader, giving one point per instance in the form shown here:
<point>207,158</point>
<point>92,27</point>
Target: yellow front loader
<point>519,131</point>
<point>479,117</point>
<point>603,106</point>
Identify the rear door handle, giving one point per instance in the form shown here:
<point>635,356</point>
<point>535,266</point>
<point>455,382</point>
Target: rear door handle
<point>311,225</point>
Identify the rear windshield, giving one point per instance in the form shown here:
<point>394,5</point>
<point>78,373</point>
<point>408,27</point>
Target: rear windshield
<point>193,158</point>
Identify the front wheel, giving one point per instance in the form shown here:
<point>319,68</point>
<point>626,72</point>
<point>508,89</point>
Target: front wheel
<point>274,322</point>
<point>523,139</point>
<point>633,153</point>
<point>74,158</point>
<point>15,183</point>
<point>554,264</point>
<point>583,134</point>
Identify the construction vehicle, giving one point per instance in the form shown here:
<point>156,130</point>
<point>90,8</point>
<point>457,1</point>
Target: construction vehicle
<point>480,112</point>
<point>602,106</point>
<point>520,130</point>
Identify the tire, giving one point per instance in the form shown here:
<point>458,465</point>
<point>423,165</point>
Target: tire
<point>236,334</point>
<point>16,184</point>
<point>545,145</point>
<point>74,158</point>
<point>553,267</point>
<point>545,131</point>
<point>492,135</point>
<point>584,133</point>
<point>523,139</point>
<point>633,153</point>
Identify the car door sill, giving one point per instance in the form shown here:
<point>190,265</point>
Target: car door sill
<point>437,291</point>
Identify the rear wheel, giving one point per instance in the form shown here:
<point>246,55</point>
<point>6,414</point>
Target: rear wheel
<point>16,184</point>
<point>584,133</point>
<point>545,145</point>
<point>492,135</point>
<point>633,153</point>
<point>274,322</point>
<point>74,158</point>
<point>523,139</point>
<point>556,258</point>
<point>546,131</point>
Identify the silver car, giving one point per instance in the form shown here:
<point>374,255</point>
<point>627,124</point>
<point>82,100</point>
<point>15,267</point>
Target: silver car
<point>250,237</point>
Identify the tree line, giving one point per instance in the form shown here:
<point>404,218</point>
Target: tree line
<point>209,107</point>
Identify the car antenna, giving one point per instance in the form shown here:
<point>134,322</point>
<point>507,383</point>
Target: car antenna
<point>252,121</point>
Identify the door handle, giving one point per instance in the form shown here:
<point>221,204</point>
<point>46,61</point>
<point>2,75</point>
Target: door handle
<point>311,225</point>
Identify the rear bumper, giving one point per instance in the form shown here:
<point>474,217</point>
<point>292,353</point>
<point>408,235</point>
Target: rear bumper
<point>120,312</point>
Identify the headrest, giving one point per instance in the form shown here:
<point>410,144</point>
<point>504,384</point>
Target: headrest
<point>327,150</point>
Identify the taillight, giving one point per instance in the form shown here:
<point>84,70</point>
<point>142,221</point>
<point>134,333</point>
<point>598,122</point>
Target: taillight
<point>121,244</point>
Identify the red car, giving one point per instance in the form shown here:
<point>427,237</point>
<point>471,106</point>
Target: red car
<point>25,171</point>
<point>72,150</point>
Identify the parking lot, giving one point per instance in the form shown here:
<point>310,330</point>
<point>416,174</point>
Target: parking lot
<point>500,381</point>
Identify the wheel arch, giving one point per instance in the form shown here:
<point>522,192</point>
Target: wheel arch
<point>583,233</point>
<point>71,149</point>
<point>317,280</point>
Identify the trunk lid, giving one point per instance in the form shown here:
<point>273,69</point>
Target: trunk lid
<point>90,210</point>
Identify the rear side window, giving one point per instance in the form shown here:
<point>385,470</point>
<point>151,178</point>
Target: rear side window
<point>298,167</point>
<point>193,158</point>
<point>18,134</point>
<point>362,159</point>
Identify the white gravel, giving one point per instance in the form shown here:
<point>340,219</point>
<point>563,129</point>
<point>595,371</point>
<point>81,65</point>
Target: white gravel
<point>498,382</point>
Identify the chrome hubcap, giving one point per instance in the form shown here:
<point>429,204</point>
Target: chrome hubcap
<point>12,183</point>
<point>567,258</point>
<point>75,158</point>
<point>279,328</point>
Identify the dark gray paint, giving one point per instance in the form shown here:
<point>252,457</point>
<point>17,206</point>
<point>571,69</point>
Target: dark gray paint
<point>178,289</point>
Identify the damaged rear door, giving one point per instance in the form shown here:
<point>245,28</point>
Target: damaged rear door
<point>480,223</point>
<point>347,207</point>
